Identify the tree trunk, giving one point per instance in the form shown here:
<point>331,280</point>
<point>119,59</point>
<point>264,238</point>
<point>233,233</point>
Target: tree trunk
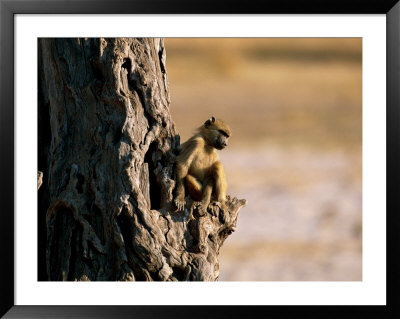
<point>107,146</point>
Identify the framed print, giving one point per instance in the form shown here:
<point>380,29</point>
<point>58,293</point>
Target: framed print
<point>112,90</point>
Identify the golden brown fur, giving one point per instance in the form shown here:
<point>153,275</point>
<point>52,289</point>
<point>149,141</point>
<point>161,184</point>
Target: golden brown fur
<point>198,167</point>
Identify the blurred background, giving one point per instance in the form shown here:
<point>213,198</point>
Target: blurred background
<point>295,109</point>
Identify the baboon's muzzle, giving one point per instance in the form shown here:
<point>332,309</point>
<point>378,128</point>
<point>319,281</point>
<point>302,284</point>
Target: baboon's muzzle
<point>220,144</point>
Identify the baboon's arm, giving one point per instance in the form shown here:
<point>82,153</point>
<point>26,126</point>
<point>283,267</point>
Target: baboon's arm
<point>183,162</point>
<point>189,151</point>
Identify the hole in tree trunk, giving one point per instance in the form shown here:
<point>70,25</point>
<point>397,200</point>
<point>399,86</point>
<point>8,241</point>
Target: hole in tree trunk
<point>160,53</point>
<point>155,194</point>
<point>127,65</point>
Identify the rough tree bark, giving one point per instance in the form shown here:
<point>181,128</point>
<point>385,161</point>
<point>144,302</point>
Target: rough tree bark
<point>107,146</point>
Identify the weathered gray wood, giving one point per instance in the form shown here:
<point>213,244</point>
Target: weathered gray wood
<point>111,146</point>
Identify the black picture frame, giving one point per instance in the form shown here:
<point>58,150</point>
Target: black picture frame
<point>8,9</point>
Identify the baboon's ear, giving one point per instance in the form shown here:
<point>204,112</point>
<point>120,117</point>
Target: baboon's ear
<point>210,121</point>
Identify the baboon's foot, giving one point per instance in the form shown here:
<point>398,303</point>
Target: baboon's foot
<point>180,204</point>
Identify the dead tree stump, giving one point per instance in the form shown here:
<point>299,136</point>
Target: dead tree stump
<point>107,146</point>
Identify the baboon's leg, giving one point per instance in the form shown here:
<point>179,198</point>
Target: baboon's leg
<point>219,182</point>
<point>207,190</point>
<point>181,171</point>
<point>194,187</point>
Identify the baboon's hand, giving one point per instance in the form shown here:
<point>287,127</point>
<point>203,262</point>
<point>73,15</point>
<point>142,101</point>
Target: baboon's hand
<point>180,204</point>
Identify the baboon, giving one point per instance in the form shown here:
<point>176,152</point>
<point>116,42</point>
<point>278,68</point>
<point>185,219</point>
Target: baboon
<point>198,168</point>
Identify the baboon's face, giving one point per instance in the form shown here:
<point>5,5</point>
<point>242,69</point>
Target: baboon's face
<point>218,133</point>
<point>221,140</point>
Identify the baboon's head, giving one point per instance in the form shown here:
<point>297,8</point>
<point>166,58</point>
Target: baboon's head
<point>216,133</point>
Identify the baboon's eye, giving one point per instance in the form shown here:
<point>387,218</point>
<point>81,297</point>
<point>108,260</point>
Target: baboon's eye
<point>223,133</point>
